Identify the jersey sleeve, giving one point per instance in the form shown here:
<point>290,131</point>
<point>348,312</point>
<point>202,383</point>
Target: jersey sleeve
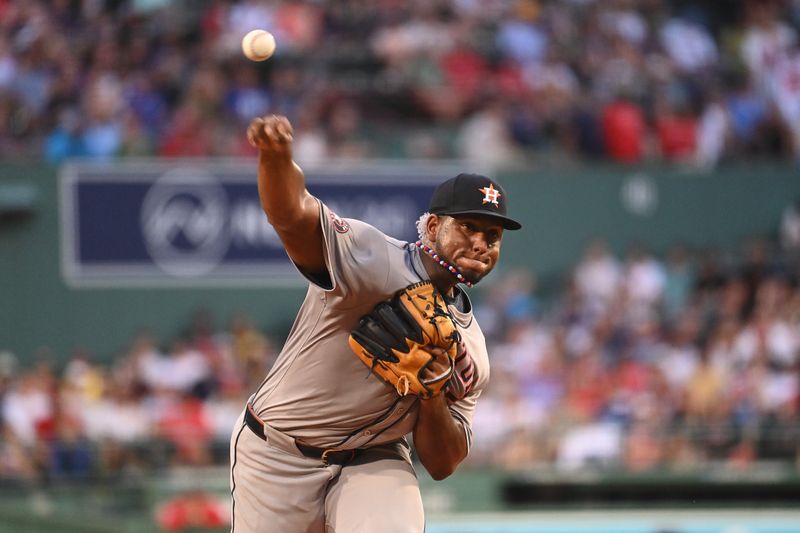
<point>356,256</point>
<point>463,410</point>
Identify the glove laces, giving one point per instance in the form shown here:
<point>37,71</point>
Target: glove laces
<point>403,385</point>
<point>444,264</point>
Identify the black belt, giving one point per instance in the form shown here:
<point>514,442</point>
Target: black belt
<point>329,456</point>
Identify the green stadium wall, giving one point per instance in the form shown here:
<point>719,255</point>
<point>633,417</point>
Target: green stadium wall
<point>560,208</point>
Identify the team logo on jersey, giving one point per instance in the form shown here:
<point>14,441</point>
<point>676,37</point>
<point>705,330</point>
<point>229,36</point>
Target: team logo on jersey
<point>339,224</point>
<point>462,381</point>
<point>491,195</point>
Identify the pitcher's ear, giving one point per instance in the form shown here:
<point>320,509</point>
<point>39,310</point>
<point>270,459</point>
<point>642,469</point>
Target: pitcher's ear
<point>432,227</point>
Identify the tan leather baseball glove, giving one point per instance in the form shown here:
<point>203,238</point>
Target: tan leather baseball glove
<point>398,340</point>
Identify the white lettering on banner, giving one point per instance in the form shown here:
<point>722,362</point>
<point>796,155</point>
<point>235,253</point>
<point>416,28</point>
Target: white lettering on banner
<point>188,223</point>
<point>249,227</point>
<point>184,221</point>
<point>393,216</point>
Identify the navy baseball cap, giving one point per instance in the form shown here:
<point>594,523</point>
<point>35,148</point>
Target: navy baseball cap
<point>472,194</point>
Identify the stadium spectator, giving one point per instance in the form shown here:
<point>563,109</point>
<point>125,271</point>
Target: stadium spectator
<point>676,131</point>
<point>624,130</point>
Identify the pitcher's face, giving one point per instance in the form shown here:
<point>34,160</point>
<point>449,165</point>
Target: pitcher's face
<point>471,243</point>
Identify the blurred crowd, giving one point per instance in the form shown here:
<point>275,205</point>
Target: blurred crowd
<point>645,363</point>
<point>637,364</point>
<point>153,406</point>
<point>497,82</point>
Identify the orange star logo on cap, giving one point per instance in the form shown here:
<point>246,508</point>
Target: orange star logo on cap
<point>491,195</point>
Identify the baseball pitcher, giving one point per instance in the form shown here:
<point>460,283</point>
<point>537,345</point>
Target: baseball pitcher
<point>319,448</point>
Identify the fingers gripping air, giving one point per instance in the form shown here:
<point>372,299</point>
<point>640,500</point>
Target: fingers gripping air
<point>410,341</point>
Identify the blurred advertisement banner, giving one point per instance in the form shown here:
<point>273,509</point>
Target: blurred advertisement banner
<point>157,223</point>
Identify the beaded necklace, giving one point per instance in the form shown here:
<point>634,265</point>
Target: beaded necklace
<point>453,270</point>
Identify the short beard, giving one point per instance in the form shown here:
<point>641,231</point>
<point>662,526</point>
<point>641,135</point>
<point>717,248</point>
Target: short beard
<point>470,277</point>
<point>422,230</point>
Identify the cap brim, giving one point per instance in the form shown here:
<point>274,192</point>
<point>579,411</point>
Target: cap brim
<point>508,223</point>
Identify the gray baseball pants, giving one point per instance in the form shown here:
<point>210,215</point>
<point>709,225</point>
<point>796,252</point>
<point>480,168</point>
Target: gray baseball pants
<point>275,488</point>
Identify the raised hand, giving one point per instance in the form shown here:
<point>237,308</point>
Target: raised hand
<point>272,133</point>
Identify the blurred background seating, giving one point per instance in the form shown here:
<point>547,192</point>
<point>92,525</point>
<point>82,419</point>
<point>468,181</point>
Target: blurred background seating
<point>500,82</point>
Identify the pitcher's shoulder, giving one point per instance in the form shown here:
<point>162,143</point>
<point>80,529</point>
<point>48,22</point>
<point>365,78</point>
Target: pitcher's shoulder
<point>396,244</point>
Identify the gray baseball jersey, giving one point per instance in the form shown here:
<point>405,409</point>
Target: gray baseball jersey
<point>319,393</point>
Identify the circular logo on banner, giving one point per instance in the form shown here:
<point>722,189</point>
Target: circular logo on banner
<point>184,221</point>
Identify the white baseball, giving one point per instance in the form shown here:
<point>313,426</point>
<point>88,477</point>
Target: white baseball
<point>258,45</point>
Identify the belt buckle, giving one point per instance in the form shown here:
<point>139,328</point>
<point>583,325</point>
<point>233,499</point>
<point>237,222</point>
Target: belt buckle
<point>324,456</point>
